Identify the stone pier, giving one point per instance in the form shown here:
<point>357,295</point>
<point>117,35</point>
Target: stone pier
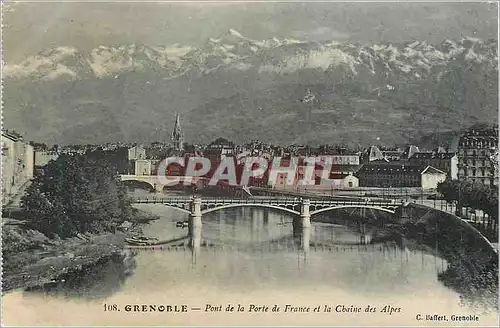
<point>306,239</point>
<point>301,224</point>
<point>305,214</point>
<point>364,238</point>
<point>195,224</point>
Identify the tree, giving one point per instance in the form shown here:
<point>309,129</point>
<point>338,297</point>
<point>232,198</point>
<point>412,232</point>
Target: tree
<point>39,146</point>
<point>76,194</point>
<point>472,194</point>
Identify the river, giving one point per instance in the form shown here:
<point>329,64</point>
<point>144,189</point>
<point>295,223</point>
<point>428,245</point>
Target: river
<point>252,257</point>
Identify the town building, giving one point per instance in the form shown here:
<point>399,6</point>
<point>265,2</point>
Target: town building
<point>372,154</point>
<point>219,149</point>
<point>389,175</point>
<point>340,181</point>
<point>137,152</point>
<point>281,181</point>
<point>398,175</point>
<point>392,154</point>
<point>143,167</point>
<point>446,162</point>
<point>17,164</point>
<point>478,156</point>
<point>375,153</point>
<point>344,164</point>
<point>340,174</point>
<point>409,152</point>
<point>43,157</point>
<point>431,177</point>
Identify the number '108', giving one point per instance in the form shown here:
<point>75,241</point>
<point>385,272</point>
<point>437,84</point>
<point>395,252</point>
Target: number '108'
<point>110,307</point>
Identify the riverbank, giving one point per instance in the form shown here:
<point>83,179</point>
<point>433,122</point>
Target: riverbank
<point>33,260</point>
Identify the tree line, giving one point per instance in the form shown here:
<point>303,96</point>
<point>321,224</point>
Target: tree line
<point>76,194</point>
<point>471,194</point>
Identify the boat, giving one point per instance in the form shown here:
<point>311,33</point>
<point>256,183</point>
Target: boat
<point>182,224</point>
<point>141,240</point>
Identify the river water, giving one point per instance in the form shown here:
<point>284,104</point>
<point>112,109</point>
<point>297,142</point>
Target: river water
<point>251,256</point>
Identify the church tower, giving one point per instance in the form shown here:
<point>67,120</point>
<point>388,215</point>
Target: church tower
<point>177,135</point>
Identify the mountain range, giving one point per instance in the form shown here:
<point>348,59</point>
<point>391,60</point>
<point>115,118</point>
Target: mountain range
<point>243,89</point>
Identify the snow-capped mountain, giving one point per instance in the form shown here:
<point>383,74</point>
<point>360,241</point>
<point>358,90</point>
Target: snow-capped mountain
<point>103,61</point>
<point>233,50</point>
<point>238,86</point>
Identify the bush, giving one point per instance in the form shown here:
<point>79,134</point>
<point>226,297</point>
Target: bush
<point>12,241</point>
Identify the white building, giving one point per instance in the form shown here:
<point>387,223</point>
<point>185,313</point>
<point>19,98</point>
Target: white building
<point>143,167</point>
<point>17,164</point>
<point>431,177</point>
<point>42,158</point>
<point>136,152</point>
<point>341,181</point>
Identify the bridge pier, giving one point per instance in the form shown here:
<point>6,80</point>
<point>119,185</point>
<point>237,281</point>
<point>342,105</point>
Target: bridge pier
<point>195,241</point>
<point>266,216</point>
<point>404,212</point>
<point>195,224</point>
<point>304,221</point>
<point>305,214</point>
<point>365,239</point>
<point>306,239</point>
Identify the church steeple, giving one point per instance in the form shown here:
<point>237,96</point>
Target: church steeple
<point>177,135</point>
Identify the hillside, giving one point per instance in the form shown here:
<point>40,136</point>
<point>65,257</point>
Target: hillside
<point>243,89</point>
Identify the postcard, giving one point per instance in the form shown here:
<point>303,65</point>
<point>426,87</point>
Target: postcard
<point>236,163</point>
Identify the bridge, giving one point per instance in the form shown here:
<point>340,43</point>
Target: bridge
<point>301,209</point>
<point>157,184</point>
<point>196,207</point>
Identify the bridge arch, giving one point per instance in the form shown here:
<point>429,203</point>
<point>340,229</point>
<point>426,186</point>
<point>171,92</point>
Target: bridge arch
<point>183,210</point>
<point>250,205</point>
<point>130,182</point>
<point>351,206</point>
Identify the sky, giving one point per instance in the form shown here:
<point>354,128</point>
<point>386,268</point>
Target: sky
<point>33,27</point>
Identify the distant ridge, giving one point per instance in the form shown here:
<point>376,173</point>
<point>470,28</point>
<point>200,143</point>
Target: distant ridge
<point>385,93</point>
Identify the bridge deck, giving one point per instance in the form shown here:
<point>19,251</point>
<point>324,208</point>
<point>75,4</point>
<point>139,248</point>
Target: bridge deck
<point>261,200</point>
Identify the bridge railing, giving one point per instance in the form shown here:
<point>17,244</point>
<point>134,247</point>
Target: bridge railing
<point>267,200</point>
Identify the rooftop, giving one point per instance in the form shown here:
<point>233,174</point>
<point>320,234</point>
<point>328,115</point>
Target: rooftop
<point>391,167</point>
<point>12,135</point>
<point>431,155</point>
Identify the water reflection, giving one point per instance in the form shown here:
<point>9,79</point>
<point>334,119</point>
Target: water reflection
<point>246,248</point>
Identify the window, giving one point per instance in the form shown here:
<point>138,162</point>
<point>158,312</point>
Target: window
<point>350,183</point>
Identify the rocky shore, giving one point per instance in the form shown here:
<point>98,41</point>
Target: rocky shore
<point>32,260</point>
